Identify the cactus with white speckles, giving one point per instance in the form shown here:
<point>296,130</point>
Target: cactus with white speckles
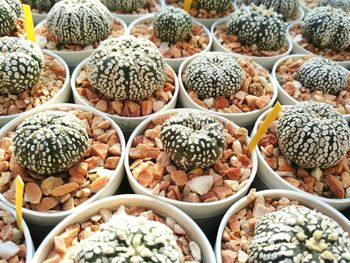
<point>10,11</point>
<point>126,6</point>
<point>287,8</point>
<point>213,5</point>
<point>41,5</point>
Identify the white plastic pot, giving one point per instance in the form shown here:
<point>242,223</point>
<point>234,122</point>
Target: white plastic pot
<point>52,218</point>
<point>297,49</point>
<point>194,210</point>
<point>283,97</point>
<point>27,237</point>
<point>60,97</point>
<point>37,17</point>
<point>112,203</point>
<point>271,179</point>
<point>127,124</point>
<point>73,58</point>
<point>303,199</point>
<point>266,62</point>
<point>174,63</point>
<point>241,119</point>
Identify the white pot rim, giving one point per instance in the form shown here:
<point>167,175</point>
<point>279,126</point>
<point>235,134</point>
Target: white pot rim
<point>281,90</point>
<point>184,65</point>
<point>42,23</point>
<point>76,72</point>
<point>223,20</point>
<point>301,197</point>
<point>140,128</point>
<point>179,60</point>
<point>43,215</point>
<point>27,236</point>
<point>140,198</point>
<point>58,94</point>
<point>283,182</point>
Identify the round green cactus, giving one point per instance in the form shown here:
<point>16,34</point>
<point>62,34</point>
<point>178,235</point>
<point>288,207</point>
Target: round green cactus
<point>327,27</point>
<point>256,25</point>
<point>322,74</point>
<point>213,5</point>
<point>342,4</point>
<point>172,24</point>
<point>127,68</point>
<point>298,234</point>
<point>212,75</point>
<point>21,64</point>
<point>10,11</point>
<point>287,8</point>
<point>193,140</point>
<point>41,5</point>
<point>312,134</point>
<point>125,238</point>
<point>79,22</point>
<point>50,142</point>
<point>125,6</point>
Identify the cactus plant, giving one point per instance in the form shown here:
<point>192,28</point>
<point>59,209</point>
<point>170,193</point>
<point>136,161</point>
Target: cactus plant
<point>21,64</point>
<point>124,6</point>
<point>287,8</point>
<point>298,234</point>
<point>127,68</point>
<point>213,5</point>
<point>342,4</point>
<point>322,74</point>
<point>193,140</point>
<point>79,22</point>
<point>256,25</point>
<point>10,11</point>
<point>312,134</point>
<point>212,75</point>
<point>41,5</point>
<point>327,27</point>
<point>172,24</point>
<point>125,238</point>
<point>50,142</point>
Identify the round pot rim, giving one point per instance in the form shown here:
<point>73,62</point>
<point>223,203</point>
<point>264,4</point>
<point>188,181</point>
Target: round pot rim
<point>141,127</point>
<point>207,31</point>
<point>65,85</point>
<point>78,69</point>
<point>272,192</point>
<point>93,198</point>
<point>280,180</point>
<point>184,65</point>
<point>223,20</point>
<point>141,198</point>
<point>71,52</point>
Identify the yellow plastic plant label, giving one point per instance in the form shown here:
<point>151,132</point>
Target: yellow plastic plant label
<point>187,5</point>
<point>19,201</point>
<point>264,127</point>
<point>29,23</point>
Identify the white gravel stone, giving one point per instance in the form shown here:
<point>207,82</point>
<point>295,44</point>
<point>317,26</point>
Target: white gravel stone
<point>201,184</point>
<point>41,41</point>
<point>195,251</point>
<point>158,105</point>
<point>242,257</point>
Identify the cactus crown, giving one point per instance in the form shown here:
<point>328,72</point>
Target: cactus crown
<point>79,22</point>
<point>256,25</point>
<point>127,238</point>
<point>298,234</point>
<point>312,134</point>
<point>342,4</point>
<point>172,24</point>
<point>287,8</point>
<point>193,140</point>
<point>41,5</point>
<point>213,5</point>
<point>212,75</point>
<point>10,11</point>
<point>123,5</point>
<point>327,27</point>
<point>127,68</point>
<point>21,64</point>
<point>50,142</point>
<point>322,74</point>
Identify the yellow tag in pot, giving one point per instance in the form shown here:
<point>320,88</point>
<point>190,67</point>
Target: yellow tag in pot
<point>29,23</point>
<point>264,127</point>
<point>187,5</point>
<point>19,201</point>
